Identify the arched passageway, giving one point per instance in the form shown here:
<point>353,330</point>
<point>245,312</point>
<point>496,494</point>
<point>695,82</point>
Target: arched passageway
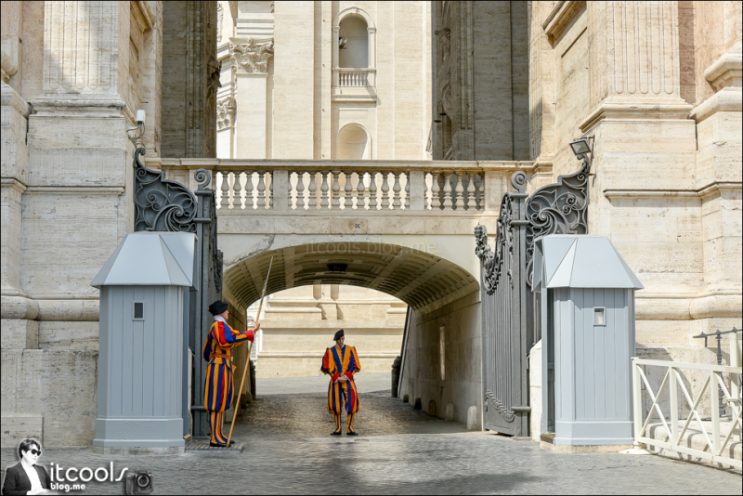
<point>414,276</point>
<point>441,352</point>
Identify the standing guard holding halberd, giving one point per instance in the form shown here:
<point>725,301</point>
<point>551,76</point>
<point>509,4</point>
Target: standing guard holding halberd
<point>219,381</point>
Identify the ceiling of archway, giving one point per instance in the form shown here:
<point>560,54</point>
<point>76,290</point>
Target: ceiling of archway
<point>419,279</point>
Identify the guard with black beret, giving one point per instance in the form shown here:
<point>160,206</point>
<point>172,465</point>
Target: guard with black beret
<point>341,362</point>
<point>217,351</point>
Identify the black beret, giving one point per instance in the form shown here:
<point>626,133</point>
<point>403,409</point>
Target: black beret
<point>218,307</point>
<point>338,335</point>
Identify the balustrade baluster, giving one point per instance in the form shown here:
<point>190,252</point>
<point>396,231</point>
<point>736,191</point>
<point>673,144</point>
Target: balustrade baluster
<point>459,191</point>
<point>372,191</point>
<point>300,191</point>
<point>262,190</point>
<point>407,190</point>
<point>435,191</point>
<point>236,188</point>
<point>396,203</point>
<point>336,190</point>
<point>324,191</point>
<point>471,203</point>
<point>348,193</point>
<point>269,178</point>
<point>224,198</point>
<point>385,191</point>
<point>447,191</point>
<point>313,191</point>
<point>479,191</point>
<point>249,204</point>
<point>360,200</point>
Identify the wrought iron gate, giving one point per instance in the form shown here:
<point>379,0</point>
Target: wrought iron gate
<point>509,323</point>
<point>164,205</point>
<point>506,311</point>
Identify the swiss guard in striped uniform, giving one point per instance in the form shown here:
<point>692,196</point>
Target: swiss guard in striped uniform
<point>341,362</point>
<point>219,382</point>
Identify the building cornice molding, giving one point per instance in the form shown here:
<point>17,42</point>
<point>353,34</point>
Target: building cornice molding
<point>560,17</point>
<point>728,99</point>
<point>725,71</point>
<point>703,192</point>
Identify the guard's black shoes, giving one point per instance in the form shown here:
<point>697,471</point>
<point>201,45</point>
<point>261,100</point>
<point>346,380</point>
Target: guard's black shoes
<point>336,433</point>
<point>352,433</point>
<point>217,445</point>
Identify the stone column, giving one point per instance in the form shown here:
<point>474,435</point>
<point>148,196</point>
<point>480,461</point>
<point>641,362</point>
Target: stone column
<point>75,207</point>
<point>643,192</point>
<point>249,59</point>
<point>718,168</point>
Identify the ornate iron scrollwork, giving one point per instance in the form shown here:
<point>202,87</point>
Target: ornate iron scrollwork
<point>492,263</point>
<point>491,400</point>
<point>161,204</point>
<point>559,208</point>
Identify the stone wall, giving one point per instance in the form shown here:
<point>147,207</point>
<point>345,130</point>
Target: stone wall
<point>449,391</point>
<point>74,76</point>
<point>480,79</point>
<point>190,74</point>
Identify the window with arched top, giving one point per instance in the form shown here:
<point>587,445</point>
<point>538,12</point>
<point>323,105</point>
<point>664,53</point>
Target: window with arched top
<point>354,60</point>
<point>353,143</point>
<point>353,43</point>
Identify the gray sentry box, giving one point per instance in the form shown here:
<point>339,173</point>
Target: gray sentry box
<point>140,365</point>
<point>588,322</point>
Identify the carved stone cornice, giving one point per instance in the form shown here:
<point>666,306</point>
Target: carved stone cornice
<point>226,113</point>
<point>251,56</point>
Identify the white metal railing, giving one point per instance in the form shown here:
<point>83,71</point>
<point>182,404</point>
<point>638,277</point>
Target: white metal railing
<point>358,189</point>
<point>726,378</point>
<point>346,77</point>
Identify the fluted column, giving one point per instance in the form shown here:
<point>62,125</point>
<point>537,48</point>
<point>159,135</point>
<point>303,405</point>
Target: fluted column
<point>634,60</point>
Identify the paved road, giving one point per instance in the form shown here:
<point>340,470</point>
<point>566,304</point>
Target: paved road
<point>401,451</point>
<point>365,383</point>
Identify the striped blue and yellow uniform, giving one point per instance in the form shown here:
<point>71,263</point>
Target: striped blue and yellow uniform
<point>340,361</point>
<point>219,381</point>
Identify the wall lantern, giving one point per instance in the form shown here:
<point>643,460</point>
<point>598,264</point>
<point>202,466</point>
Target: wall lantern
<point>581,146</point>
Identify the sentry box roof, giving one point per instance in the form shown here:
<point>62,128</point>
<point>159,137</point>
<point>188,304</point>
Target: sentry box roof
<point>581,261</point>
<point>150,259</point>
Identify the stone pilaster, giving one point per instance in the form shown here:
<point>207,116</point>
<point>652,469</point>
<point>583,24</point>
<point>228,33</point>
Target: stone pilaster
<point>643,194</point>
<point>634,61</point>
<point>191,79</point>
<point>719,174</point>
<point>75,204</point>
<point>249,59</point>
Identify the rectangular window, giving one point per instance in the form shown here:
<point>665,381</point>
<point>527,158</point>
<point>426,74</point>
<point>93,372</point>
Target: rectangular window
<point>138,310</point>
<point>599,316</point>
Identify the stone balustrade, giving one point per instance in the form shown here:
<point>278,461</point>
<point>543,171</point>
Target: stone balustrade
<point>362,186</point>
<point>354,77</point>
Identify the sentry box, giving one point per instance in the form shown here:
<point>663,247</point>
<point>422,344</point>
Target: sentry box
<point>140,368</point>
<point>587,298</point>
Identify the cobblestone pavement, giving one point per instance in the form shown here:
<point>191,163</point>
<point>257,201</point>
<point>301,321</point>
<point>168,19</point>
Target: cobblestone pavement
<point>400,450</point>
